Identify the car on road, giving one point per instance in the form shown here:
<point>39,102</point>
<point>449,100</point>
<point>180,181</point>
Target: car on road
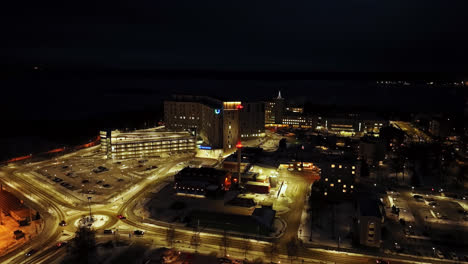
<point>398,247</point>
<point>62,223</point>
<point>224,261</point>
<point>121,217</point>
<point>138,232</point>
<point>85,181</point>
<point>381,261</point>
<point>453,256</point>
<point>108,231</point>
<point>418,197</point>
<point>30,252</point>
<point>61,244</point>
<point>439,254</point>
<point>106,185</point>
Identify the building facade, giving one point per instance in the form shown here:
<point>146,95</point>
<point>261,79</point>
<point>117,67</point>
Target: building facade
<point>252,120</point>
<point>274,110</point>
<point>144,143</point>
<point>202,180</point>
<point>369,221</point>
<point>350,123</point>
<point>219,124</point>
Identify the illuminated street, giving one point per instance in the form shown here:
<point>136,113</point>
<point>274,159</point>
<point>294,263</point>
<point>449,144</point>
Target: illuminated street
<point>56,205</point>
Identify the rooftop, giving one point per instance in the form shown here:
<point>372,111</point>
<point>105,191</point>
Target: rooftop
<point>369,207</point>
<point>144,135</point>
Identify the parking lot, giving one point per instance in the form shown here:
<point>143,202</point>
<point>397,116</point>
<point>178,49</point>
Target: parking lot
<point>93,174</point>
<point>434,225</point>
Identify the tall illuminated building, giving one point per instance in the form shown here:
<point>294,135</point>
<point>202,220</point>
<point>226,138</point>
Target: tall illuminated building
<point>214,121</point>
<point>274,110</point>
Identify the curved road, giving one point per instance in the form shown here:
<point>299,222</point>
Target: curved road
<point>54,207</point>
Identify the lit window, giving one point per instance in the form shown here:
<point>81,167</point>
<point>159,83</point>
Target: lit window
<point>326,179</point>
<point>331,184</point>
<point>352,187</point>
<point>333,165</point>
<point>344,190</point>
<point>339,166</point>
<point>353,167</point>
<point>339,180</point>
<point>353,172</point>
<point>325,193</point>
<point>344,185</point>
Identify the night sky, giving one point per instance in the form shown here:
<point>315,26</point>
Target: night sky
<point>91,54</point>
<point>341,35</point>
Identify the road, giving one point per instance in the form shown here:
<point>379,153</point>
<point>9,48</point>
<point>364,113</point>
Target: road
<point>55,207</point>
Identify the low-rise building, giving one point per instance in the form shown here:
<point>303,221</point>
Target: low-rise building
<point>145,143</point>
<point>369,221</point>
<point>202,180</point>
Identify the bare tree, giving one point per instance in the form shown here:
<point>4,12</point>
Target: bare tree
<point>83,247</point>
<point>246,246</point>
<point>170,236</point>
<point>225,241</point>
<point>271,250</point>
<point>195,241</point>
<point>292,247</point>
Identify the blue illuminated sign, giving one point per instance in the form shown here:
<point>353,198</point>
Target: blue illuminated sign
<point>204,147</point>
<point>217,111</point>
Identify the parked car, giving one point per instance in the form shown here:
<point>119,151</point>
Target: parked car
<point>62,223</point>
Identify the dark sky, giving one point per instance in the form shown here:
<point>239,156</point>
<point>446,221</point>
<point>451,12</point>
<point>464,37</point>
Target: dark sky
<point>309,35</point>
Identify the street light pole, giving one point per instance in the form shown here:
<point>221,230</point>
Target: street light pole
<point>89,204</point>
<point>239,149</point>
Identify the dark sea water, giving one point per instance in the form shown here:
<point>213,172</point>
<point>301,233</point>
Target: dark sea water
<point>41,113</point>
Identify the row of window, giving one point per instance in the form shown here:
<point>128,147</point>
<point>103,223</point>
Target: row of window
<point>252,135</point>
<point>341,166</point>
